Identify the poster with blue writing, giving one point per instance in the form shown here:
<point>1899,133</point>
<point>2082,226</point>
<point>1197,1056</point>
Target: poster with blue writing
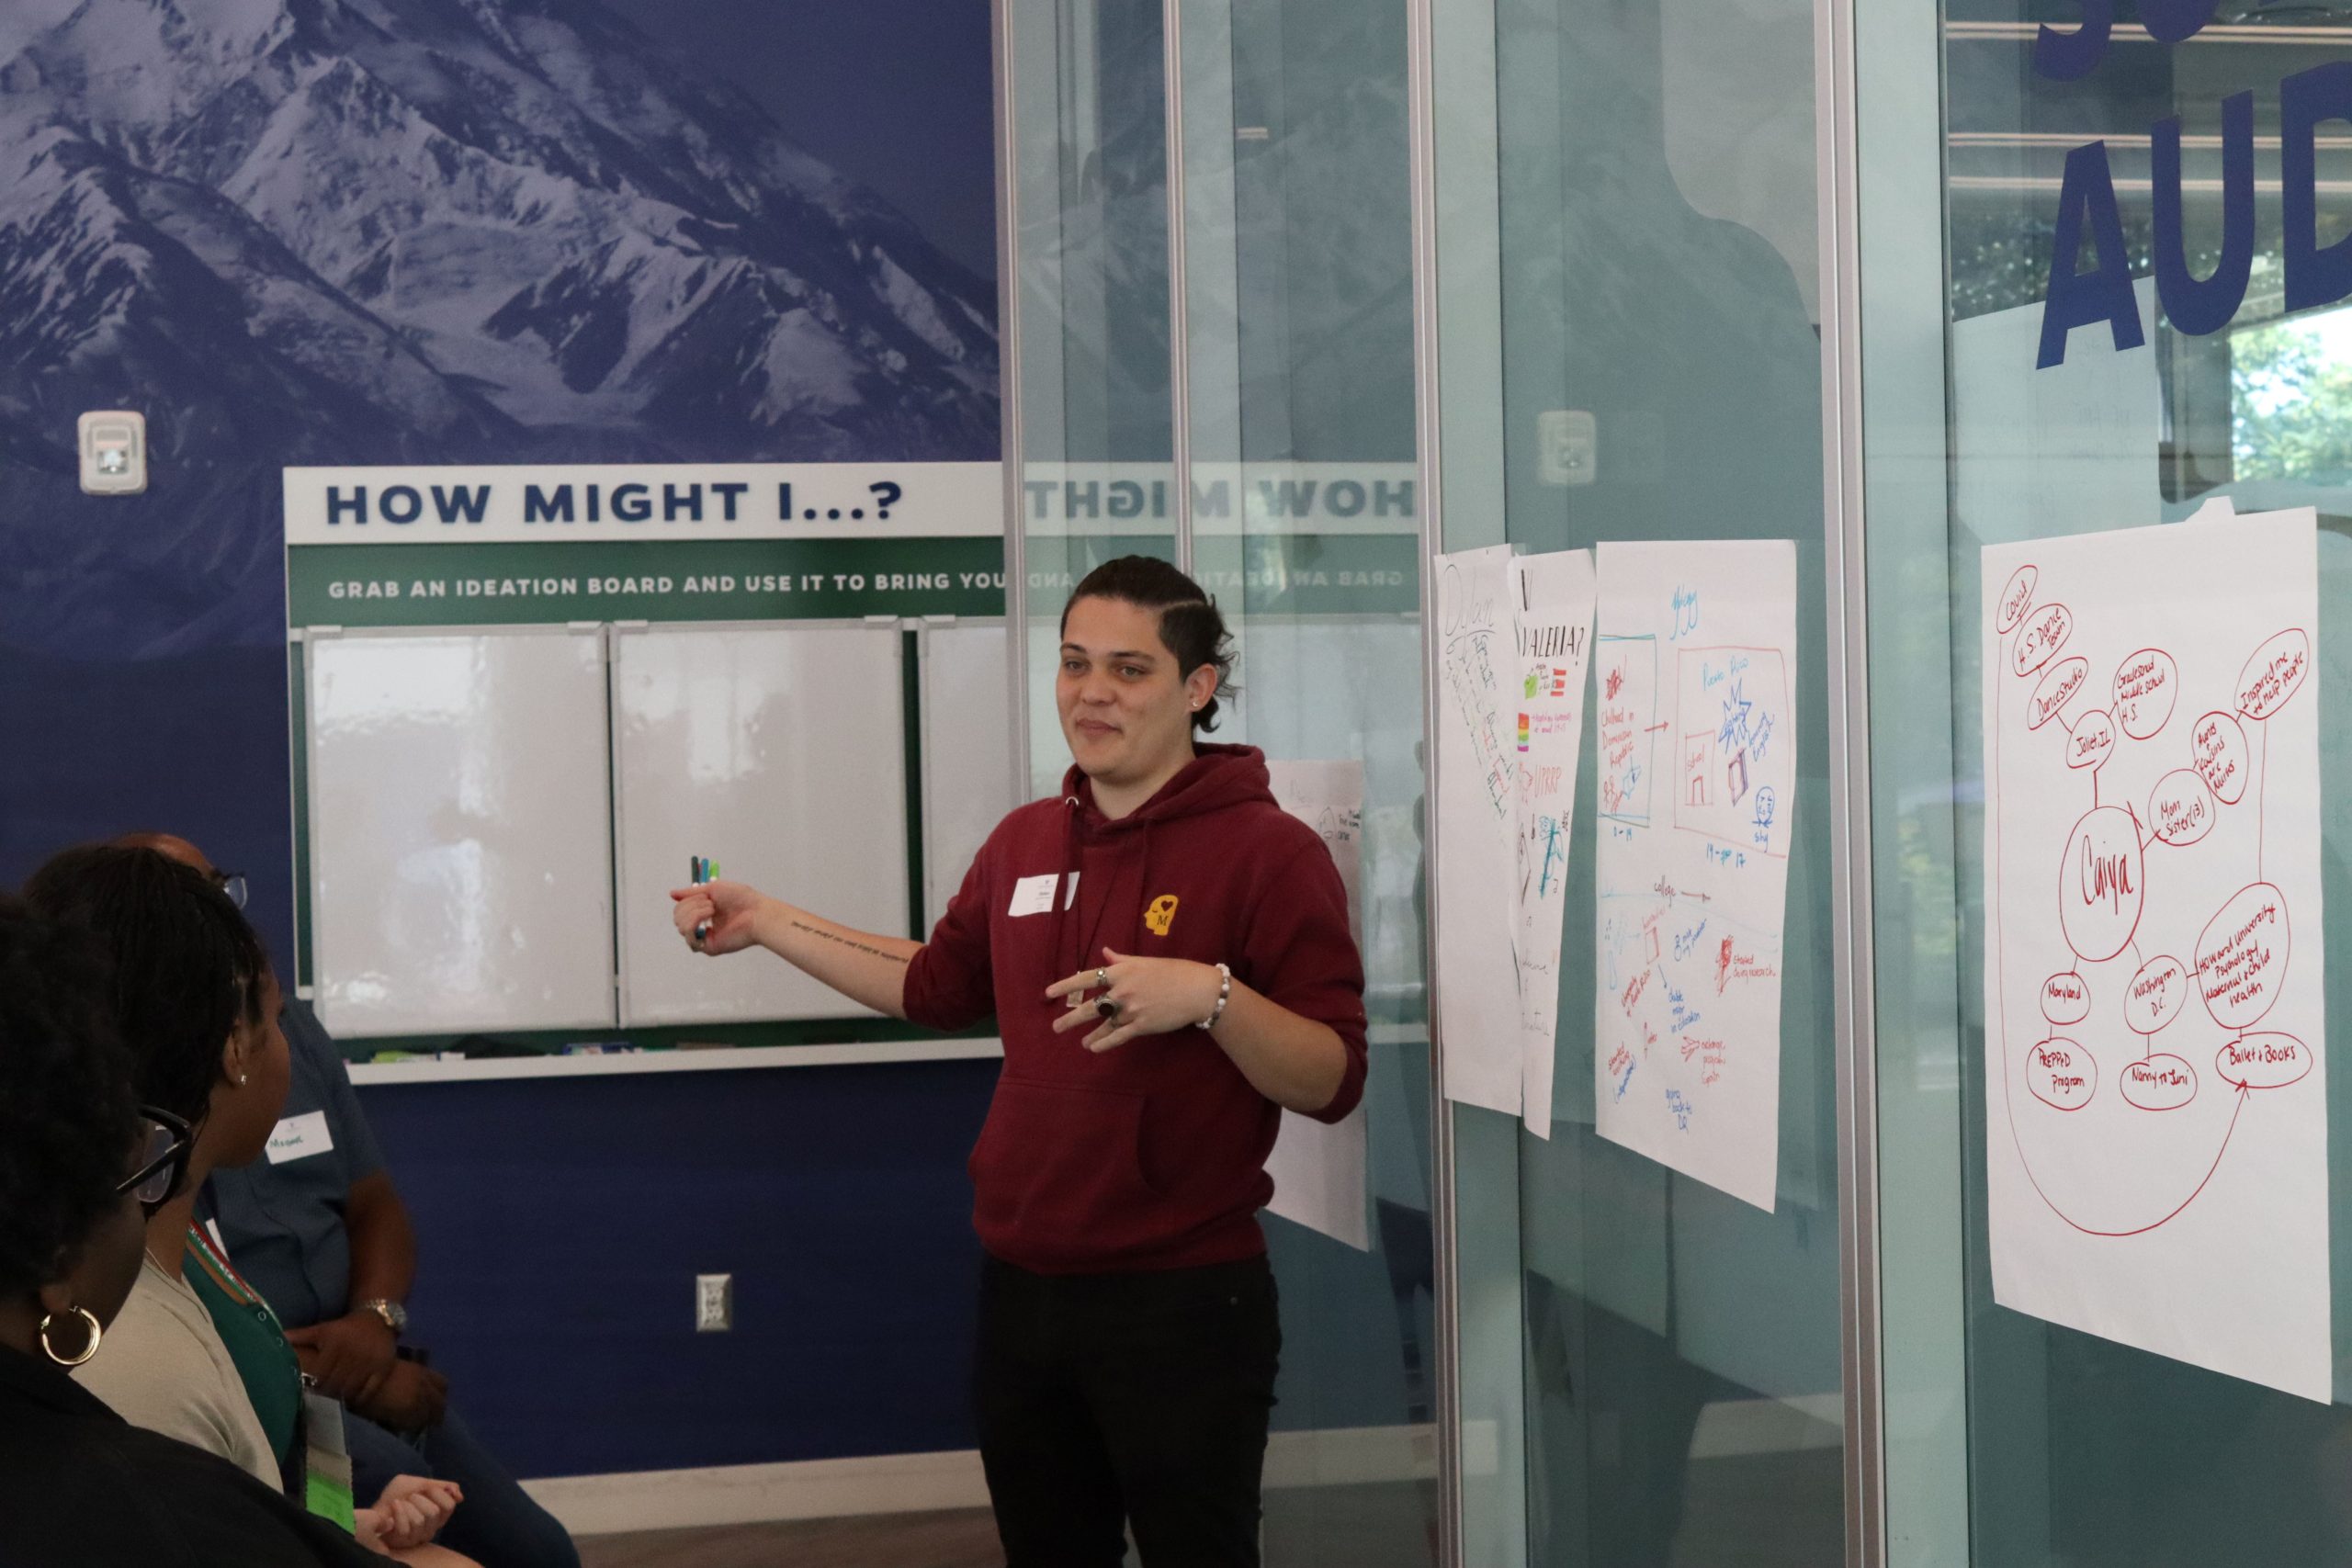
<point>1694,668</point>
<point>1551,597</point>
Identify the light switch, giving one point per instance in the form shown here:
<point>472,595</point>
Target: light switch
<point>114,452</point>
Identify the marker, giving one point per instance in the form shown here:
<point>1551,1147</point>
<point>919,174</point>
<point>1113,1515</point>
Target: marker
<point>702,871</point>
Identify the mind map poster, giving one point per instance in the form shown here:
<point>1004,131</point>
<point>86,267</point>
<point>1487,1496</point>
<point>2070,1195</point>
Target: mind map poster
<point>2155,1077</point>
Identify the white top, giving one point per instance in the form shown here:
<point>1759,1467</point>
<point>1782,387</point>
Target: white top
<point>162,1366</point>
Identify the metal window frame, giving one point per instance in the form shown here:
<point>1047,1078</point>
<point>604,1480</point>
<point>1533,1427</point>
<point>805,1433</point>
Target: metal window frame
<point>1837,204</point>
<point>1010,452</point>
<point>1420,97</point>
<point>1843,524</point>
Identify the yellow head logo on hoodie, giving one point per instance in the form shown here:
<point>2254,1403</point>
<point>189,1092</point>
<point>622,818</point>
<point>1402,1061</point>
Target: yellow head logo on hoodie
<point>1161,914</point>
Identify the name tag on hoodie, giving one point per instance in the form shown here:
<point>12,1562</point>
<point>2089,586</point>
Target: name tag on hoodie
<point>1033,896</point>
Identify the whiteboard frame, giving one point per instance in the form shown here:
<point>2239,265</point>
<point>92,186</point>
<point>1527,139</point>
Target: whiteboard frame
<point>614,630</point>
<point>312,638</point>
<point>936,894</point>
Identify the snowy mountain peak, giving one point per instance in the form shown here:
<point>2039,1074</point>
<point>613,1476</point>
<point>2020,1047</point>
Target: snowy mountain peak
<point>523,201</point>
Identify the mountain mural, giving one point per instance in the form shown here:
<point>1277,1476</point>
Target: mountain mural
<point>427,230</point>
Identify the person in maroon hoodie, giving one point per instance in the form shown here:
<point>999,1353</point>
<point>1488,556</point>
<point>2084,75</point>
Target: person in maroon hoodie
<point>1166,954</point>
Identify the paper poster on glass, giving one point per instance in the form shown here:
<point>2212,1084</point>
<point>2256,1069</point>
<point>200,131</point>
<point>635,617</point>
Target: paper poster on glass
<point>2155,1077</point>
<point>1694,672</point>
<point>1551,597</point>
<point>1477,811</point>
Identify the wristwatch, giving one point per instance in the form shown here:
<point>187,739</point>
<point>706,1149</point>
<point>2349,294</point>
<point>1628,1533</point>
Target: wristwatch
<point>395,1315</point>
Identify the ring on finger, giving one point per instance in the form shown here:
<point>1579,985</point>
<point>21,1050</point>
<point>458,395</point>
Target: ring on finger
<point>1107,1008</point>
<point>1101,979</point>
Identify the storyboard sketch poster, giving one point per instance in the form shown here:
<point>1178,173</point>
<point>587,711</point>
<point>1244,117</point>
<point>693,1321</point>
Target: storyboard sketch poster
<point>2155,1072</point>
<point>1477,810</point>
<point>1694,692</point>
<point>1551,597</point>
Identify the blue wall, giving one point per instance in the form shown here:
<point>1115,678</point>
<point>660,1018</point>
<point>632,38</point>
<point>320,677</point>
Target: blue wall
<point>159,252</point>
<point>155,255</point>
<point>562,1222</point>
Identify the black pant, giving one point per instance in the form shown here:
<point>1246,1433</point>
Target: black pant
<point>1137,1397</point>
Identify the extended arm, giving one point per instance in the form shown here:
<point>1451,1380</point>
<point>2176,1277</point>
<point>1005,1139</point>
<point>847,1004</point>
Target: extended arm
<point>869,969</point>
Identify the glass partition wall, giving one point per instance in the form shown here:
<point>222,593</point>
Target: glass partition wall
<point>2102,291</point>
<point>1294,358</point>
<point>1383,279</point>
<point>1658,290</point>
<point>1212,250</point>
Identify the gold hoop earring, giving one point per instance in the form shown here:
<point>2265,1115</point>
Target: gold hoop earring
<point>97,1331</point>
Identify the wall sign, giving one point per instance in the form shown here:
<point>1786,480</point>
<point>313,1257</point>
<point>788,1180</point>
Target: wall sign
<point>2314,274</point>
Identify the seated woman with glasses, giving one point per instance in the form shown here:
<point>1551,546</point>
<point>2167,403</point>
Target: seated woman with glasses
<point>78,1166</point>
<point>195,1000</point>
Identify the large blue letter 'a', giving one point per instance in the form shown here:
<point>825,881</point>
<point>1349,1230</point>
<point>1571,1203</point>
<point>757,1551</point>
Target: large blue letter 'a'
<point>2104,293</point>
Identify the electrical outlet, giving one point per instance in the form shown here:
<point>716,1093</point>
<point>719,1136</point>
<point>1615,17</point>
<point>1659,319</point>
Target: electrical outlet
<point>713,1303</point>
<point>1567,446</point>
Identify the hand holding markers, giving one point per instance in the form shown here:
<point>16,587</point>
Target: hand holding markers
<point>715,917</point>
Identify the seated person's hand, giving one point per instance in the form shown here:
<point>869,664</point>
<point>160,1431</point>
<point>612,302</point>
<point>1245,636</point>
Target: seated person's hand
<point>410,1513</point>
<point>346,1353</point>
<point>409,1397</point>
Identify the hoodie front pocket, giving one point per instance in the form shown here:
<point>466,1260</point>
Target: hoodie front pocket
<point>1059,1172</point>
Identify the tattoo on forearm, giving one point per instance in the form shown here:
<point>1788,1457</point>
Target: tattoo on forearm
<point>847,941</point>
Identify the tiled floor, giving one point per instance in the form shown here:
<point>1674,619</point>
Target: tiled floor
<point>962,1540</point>
<point>1779,1510</point>
<point>1371,1526</point>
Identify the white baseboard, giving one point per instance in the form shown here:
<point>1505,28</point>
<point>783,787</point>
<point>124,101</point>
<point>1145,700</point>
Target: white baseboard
<point>907,1484</point>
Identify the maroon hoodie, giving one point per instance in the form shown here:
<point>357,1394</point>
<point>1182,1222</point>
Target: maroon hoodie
<point>1153,1154</point>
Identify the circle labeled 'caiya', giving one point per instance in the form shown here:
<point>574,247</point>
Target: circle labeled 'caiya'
<point>2217,751</point>
<point>2163,1082</point>
<point>2101,889</point>
<point>2242,956</point>
<point>2146,685</point>
<point>2060,1074</point>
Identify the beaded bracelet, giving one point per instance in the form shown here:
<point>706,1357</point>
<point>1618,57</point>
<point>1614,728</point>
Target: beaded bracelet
<point>1224,995</point>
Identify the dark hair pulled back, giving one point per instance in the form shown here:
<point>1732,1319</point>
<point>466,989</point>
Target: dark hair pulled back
<point>65,1102</point>
<point>187,969</point>
<point>1190,623</point>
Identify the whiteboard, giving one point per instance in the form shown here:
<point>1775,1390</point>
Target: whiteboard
<point>460,856</point>
<point>967,754</point>
<point>778,751</point>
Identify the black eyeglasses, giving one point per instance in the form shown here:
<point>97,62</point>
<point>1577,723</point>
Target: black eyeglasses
<point>160,1161</point>
<point>232,883</point>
